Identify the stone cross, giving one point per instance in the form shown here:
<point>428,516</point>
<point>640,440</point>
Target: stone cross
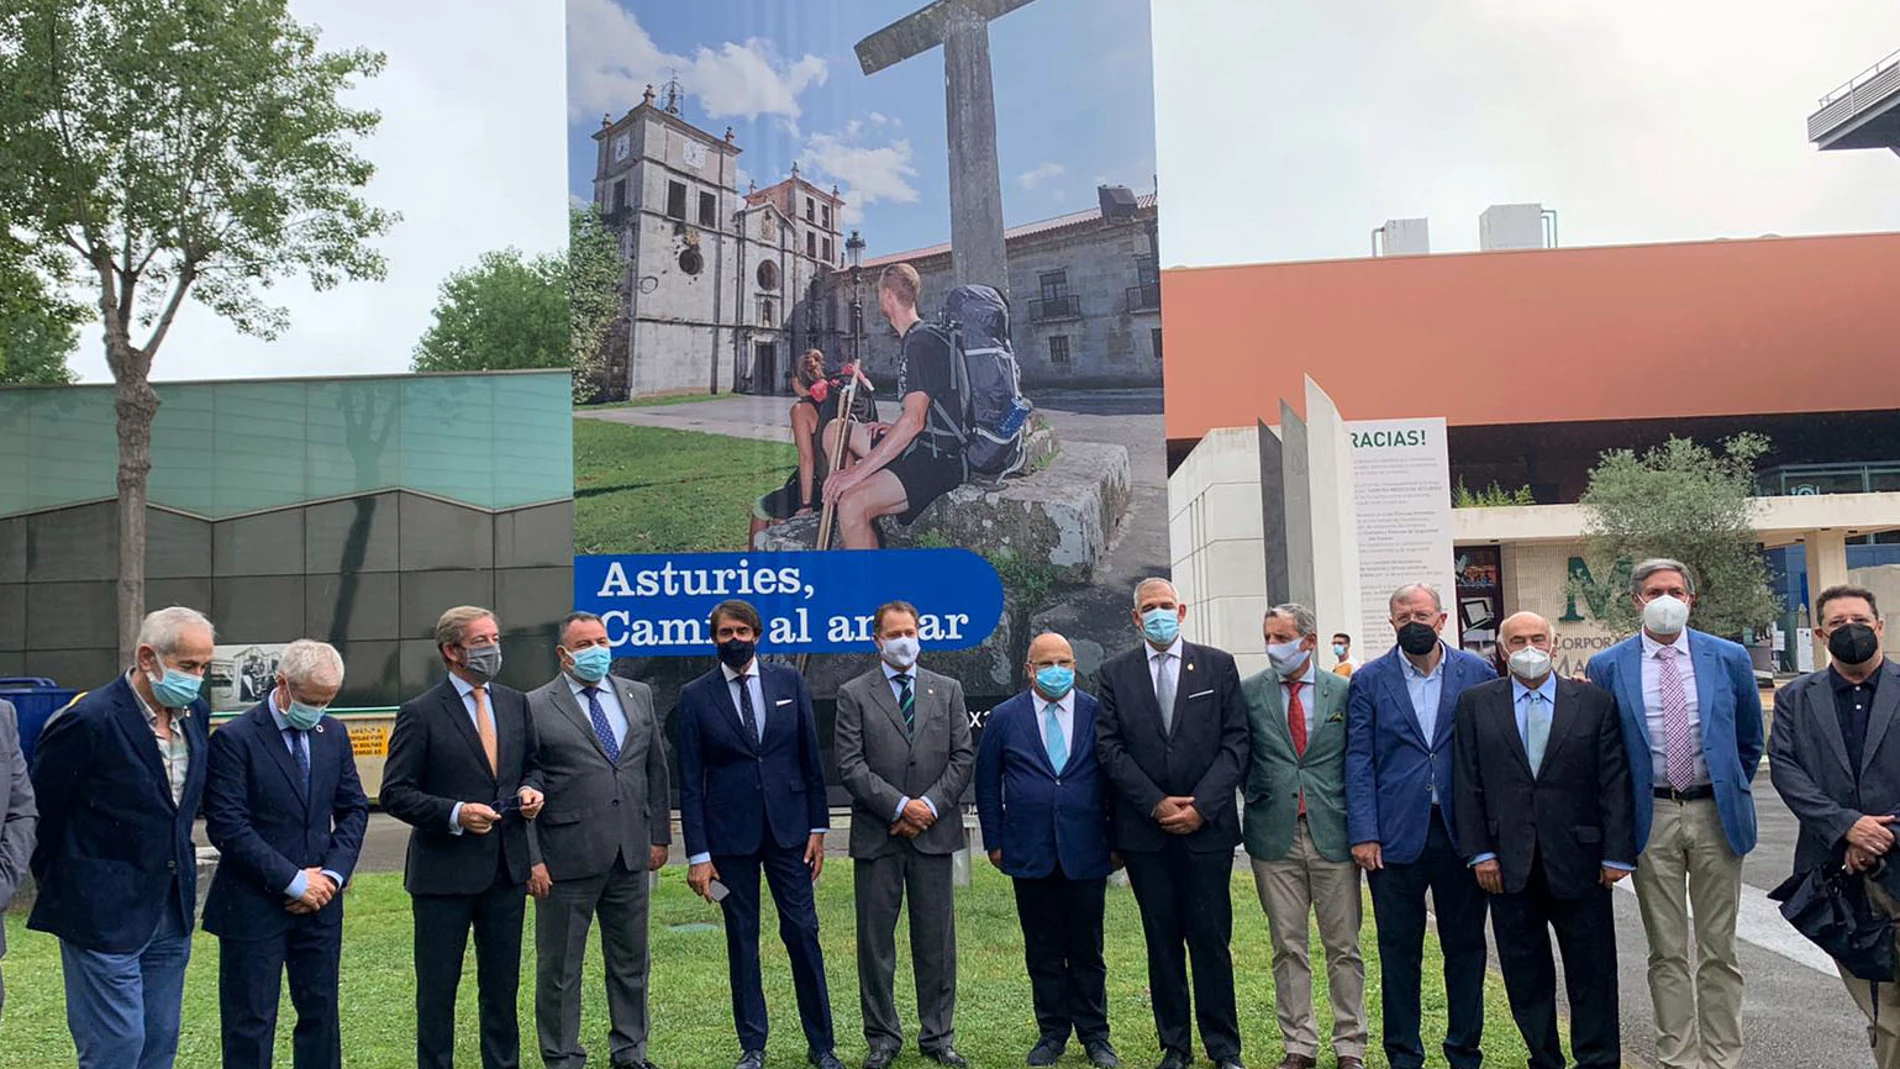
<point>961,27</point>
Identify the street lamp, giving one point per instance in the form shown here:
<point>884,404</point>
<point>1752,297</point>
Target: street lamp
<point>854,256</point>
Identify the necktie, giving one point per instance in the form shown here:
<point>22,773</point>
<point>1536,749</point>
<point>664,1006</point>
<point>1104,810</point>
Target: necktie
<point>746,715</point>
<point>598,716</point>
<point>296,740</point>
<point>1679,762</point>
<point>907,704</point>
<point>485,728</point>
<point>1052,739</point>
<point>1537,731</point>
<point>1164,691</point>
<point>1296,725</point>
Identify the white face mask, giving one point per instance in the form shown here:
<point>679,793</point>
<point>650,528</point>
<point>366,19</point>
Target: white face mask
<point>1530,664</point>
<point>899,652</point>
<point>1287,657</point>
<point>1666,615</point>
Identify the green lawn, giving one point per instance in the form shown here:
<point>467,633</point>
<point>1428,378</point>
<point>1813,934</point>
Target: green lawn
<point>657,402</point>
<point>655,490</point>
<point>691,1003</point>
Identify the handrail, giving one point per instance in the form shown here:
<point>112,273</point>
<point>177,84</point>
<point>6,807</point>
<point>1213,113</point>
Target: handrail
<point>1858,80</point>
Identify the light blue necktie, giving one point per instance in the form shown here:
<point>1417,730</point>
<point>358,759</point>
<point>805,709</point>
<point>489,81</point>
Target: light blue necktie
<point>1538,730</point>
<point>1052,738</point>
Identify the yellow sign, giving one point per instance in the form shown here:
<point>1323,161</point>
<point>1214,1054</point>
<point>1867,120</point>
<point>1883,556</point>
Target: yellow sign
<point>369,740</point>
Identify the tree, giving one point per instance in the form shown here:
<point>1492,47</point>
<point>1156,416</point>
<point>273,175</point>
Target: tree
<point>38,325</point>
<point>1684,501</point>
<point>1493,496</point>
<point>165,149</point>
<point>511,312</point>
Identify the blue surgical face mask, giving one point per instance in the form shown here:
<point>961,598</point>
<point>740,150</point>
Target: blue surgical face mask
<point>1161,626</point>
<point>1339,651</point>
<point>1054,681</point>
<point>174,689</point>
<point>591,664</point>
<point>1287,657</point>
<point>304,717</point>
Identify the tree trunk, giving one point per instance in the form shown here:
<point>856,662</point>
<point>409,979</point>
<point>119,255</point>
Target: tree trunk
<point>136,404</point>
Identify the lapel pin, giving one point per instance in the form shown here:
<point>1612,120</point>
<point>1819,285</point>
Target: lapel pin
<point>319,729</point>
<point>1190,666</point>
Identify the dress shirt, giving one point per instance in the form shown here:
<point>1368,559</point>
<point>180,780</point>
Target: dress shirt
<point>1174,666</point>
<point>301,882</point>
<point>1653,708</point>
<point>1065,718</point>
<point>1852,701</point>
<point>609,704</point>
<point>1309,695</point>
<point>467,690</point>
<point>897,693</point>
<point>1425,689</point>
<point>1521,703</point>
<point>174,754</point>
<point>758,715</point>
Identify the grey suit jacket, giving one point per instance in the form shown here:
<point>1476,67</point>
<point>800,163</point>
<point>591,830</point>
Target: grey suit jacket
<point>17,811</point>
<point>880,765</point>
<point>597,810</point>
<point>1809,766</point>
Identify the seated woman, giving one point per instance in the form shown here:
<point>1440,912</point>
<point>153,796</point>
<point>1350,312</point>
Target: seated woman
<point>819,397</point>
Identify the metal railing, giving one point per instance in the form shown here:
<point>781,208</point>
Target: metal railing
<point>1847,88</point>
<point>1860,92</point>
<point>1053,308</point>
<point>1144,298</point>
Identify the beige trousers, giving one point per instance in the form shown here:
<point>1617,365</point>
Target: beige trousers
<point>1883,1033</point>
<point>1689,863</point>
<point>1293,891</point>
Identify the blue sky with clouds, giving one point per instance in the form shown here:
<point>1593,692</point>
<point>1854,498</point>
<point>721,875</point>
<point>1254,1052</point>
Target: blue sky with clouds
<point>1074,100</point>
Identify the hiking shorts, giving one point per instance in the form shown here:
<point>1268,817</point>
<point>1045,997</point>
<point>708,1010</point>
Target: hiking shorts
<point>925,478</point>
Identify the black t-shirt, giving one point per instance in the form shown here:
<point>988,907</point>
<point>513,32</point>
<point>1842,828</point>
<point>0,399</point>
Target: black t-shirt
<point>925,368</point>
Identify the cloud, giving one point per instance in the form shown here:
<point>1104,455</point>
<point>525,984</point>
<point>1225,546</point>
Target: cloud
<point>867,173</point>
<point>1047,172</point>
<point>878,118</point>
<point>612,59</point>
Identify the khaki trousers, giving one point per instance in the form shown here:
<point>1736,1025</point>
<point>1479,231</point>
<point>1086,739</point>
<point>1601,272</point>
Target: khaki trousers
<point>1699,1022</point>
<point>1301,886</point>
<point>1883,1033</point>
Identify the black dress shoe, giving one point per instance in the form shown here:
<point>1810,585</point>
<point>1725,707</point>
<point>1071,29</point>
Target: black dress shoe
<point>1230,1063</point>
<point>880,1058</point>
<point>1102,1054</point>
<point>1046,1052</point>
<point>1174,1059</point>
<point>827,1059</point>
<point>752,1059</point>
<point>947,1056</point>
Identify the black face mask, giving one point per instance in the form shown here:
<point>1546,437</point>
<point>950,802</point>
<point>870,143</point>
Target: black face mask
<point>1417,639</point>
<point>1853,644</point>
<point>737,653</point>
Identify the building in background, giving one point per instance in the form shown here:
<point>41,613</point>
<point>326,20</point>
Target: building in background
<point>349,510</point>
<point>1864,113</point>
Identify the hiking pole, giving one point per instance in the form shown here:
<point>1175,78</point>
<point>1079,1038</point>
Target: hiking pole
<point>827,516</point>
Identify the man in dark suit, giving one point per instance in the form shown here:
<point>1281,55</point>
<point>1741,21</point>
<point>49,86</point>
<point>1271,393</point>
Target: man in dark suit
<point>119,774</point>
<point>606,826</point>
<point>18,818</point>
<point>903,748</point>
<point>1043,804</point>
<point>464,774</point>
<point>752,799</point>
<point>1173,738</point>
<point>1542,782</point>
<point>1400,713</point>
<point>286,811</point>
<point>1835,759</point>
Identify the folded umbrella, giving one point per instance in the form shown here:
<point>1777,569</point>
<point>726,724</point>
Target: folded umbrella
<point>1829,905</point>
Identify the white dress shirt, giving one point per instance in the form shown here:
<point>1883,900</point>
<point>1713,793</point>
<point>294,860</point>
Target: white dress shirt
<point>1065,719</point>
<point>1653,708</point>
<point>609,705</point>
<point>1309,697</point>
<point>300,882</point>
<point>897,695</point>
<point>758,715</point>
<point>1173,663</point>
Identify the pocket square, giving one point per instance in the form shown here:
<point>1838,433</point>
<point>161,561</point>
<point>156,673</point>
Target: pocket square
<point>1200,694</point>
<point>783,701</point>
<point>1336,718</point>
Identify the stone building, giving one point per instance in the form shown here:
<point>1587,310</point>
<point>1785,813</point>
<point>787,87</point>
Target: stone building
<point>714,276</point>
<point>1084,289</point>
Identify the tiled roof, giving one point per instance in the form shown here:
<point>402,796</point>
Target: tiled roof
<point>1145,202</point>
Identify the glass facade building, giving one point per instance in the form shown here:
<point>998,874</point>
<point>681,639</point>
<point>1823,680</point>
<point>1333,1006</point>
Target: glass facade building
<point>350,510</point>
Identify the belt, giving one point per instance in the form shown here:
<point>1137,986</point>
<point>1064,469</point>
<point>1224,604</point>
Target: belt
<point>1689,794</point>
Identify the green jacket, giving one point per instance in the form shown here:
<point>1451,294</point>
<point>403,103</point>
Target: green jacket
<point>1276,776</point>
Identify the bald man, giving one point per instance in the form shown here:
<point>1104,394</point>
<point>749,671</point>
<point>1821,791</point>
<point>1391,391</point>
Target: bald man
<point>1043,804</point>
<point>1543,803</point>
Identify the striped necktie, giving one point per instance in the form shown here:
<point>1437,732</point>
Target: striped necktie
<point>907,704</point>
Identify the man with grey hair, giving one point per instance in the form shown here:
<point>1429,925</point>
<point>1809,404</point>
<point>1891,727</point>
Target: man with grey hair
<point>18,817</point>
<point>1400,713</point>
<point>119,774</point>
<point>603,763</point>
<point>464,773</point>
<point>1692,720</point>
<point>286,811</point>
<point>1295,831</point>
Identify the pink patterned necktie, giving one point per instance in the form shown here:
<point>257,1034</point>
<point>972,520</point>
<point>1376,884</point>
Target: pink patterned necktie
<point>1679,761</point>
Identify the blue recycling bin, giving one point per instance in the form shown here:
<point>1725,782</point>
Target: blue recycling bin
<point>35,699</point>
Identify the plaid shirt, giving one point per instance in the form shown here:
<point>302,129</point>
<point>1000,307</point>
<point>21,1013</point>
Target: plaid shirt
<point>174,753</point>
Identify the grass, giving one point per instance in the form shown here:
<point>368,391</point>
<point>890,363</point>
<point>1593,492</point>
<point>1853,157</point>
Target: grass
<point>655,490</point>
<point>691,1002</point>
<point>657,402</point>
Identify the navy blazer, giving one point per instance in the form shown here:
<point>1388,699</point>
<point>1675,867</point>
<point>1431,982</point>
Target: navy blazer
<point>268,827</point>
<point>1391,765</point>
<point>733,786</point>
<point>111,838</point>
<point>1038,815</point>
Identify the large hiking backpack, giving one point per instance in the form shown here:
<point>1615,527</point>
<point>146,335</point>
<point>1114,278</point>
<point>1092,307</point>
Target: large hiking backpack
<point>988,417</point>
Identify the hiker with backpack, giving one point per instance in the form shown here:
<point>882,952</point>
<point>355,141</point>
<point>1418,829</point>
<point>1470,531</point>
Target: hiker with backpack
<point>813,415</point>
<point>962,411</point>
